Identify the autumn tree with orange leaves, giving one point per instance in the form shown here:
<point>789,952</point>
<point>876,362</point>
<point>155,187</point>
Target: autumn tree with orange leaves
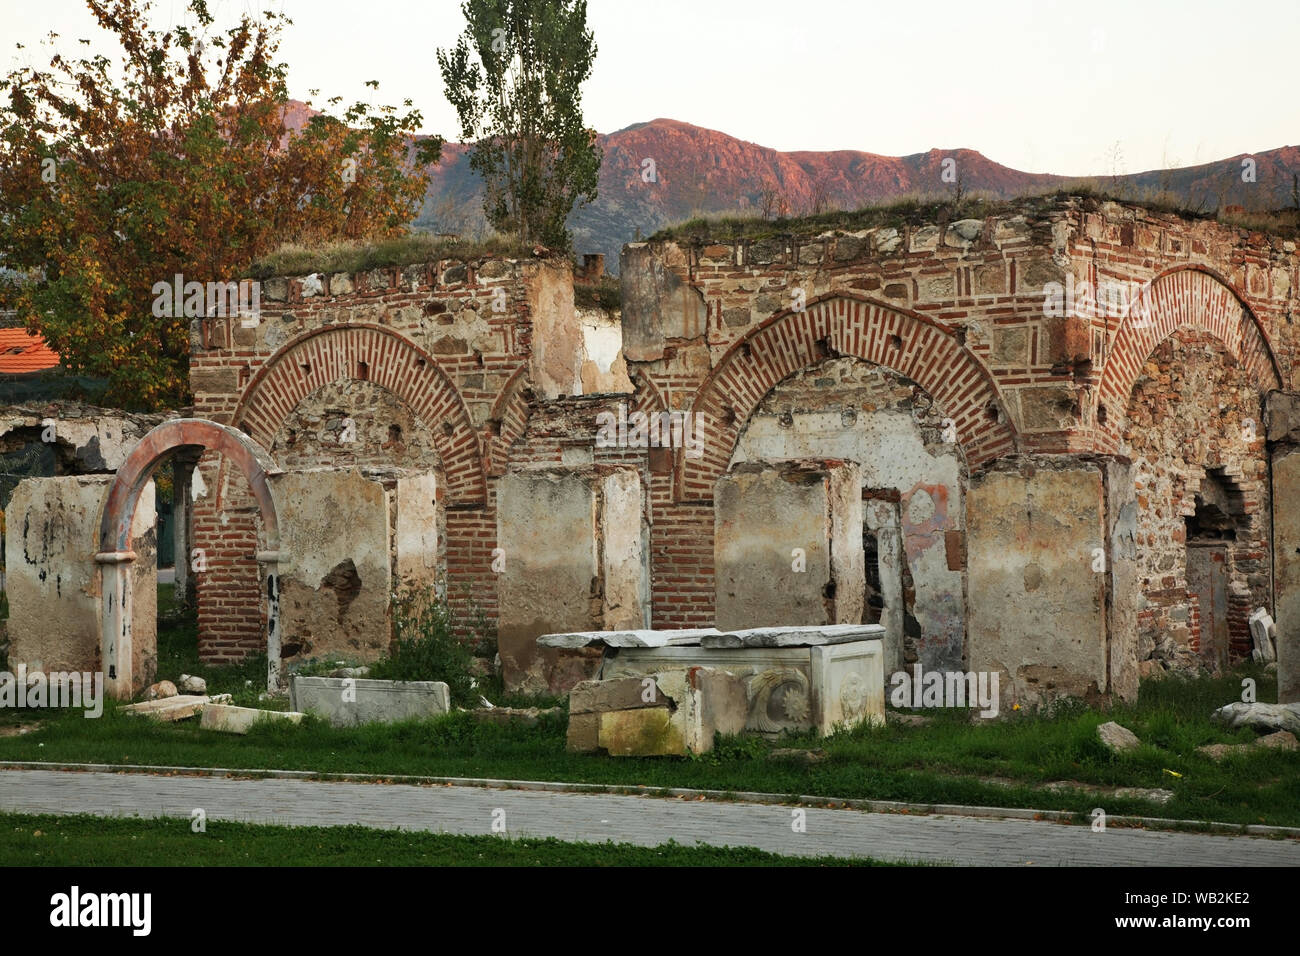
<point>119,173</point>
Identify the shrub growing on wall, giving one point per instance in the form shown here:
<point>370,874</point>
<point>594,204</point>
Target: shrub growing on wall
<point>425,647</point>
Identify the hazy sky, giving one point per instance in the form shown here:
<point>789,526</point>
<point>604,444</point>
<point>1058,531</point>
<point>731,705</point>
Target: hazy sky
<point>1039,86</point>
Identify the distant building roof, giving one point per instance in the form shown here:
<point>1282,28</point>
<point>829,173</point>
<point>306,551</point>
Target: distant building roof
<point>22,352</point>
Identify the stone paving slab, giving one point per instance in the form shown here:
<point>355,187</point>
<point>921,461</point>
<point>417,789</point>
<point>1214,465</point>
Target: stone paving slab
<point>645,821</point>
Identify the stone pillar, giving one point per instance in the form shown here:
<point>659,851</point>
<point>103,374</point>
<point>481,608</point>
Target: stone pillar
<point>268,571</point>
<point>572,558</point>
<point>183,465</point>
<point>788,544</point>
<point>1038,567</point>
<point>1286,573</point>
<point>882,519</point>
<point>1122,584</point>
<point>115,606</point>
<point>1283,415</point>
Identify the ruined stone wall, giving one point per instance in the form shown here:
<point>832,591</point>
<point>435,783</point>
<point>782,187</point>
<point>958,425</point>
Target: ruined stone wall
<point>1193,413</point>
<point>433,368</point>
<point>354,424</point>
<point>492,371</point>
<point>431,349</point>
<point>1028,330</point>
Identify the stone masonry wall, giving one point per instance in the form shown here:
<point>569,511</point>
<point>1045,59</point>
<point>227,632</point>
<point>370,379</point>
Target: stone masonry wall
<point>995,319</point>
<point>962,311</point>
<point>1194,410</point>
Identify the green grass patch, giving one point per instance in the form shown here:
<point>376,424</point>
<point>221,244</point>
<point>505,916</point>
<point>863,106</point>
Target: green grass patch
<point>1008,762</point>
<point>47,840</point>
<point>607,294</point>
<point>1013,761</point>
<point>426,647</point>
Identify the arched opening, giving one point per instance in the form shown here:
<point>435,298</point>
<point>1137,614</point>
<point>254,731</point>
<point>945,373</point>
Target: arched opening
<point>310,366</point>
<point>1193,432</point>
<point>843,325</point>
<point>371,446</point>
<point>120,647</point>
<point>914,479</point>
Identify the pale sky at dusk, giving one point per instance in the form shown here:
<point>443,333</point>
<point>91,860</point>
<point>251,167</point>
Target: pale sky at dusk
<point>1039,86</point>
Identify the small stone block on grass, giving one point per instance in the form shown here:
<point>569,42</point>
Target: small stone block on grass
<point>584,733</point>
<point>649,732</point>
<point>239,720</point>
<point>1116,738</point>
<point>346,701</point>
<point>670,712</point>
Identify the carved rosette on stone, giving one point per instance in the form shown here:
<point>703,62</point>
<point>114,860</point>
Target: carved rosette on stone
<point>779,700</point>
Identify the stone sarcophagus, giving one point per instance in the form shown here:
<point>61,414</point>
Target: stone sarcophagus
<point>794,678</point>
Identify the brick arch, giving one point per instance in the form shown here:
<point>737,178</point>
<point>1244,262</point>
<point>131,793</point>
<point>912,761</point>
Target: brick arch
<point>509,420</point>
<point>393,362</point>
<point>115,555</point>
<point>646,394</point>
<point>1184,297</point>
<point>841,324</point>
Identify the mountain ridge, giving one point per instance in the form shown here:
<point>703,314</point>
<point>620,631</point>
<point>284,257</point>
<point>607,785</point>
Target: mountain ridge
<point>664,170</point>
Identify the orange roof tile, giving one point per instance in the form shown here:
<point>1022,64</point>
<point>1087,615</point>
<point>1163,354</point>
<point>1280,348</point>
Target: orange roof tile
<point>20,352</point>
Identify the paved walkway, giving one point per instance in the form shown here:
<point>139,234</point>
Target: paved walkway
<point>647,821</point>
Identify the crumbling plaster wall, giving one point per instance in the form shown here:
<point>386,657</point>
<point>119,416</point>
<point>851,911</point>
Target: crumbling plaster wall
<point>1038,545</point>
<point>572,558</point>
<point>788,544</point>
<point>336,582</point>
<point>850,409</point>
<point>53,582</point>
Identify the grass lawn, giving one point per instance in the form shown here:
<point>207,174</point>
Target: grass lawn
<point>1007,763</point>
<point>44,840</point>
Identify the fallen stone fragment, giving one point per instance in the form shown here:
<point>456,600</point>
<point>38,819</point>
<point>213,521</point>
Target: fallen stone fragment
<point>1281,740</point>
<point>1218,752</point>
<point>350,672</point>
<point>240,720</point>
<point>168,708</point>
<point>346,702</point>
<point>1117,739</point>
<point>620,693</point>
<point>164,688</point>
<point>189,684</point>
<point>1260,717</point>
<point>1155,795</point>
<point>583,735</point>
<point>521,716</point>
<point>673,712</point>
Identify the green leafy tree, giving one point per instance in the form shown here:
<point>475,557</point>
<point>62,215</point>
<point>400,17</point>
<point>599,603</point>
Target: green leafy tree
<point>116,175</point>
<point>514,78</point>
